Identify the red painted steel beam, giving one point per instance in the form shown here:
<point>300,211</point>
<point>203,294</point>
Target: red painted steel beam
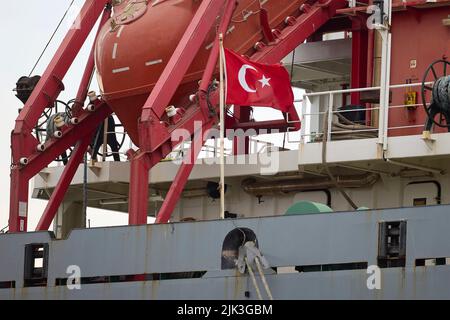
<point>318,15</point>
<point>338,23</point>
<point>360,43</point>
<point>188,125</point>
<point>155,136</point>
<point>50,84</point>
<point>305,25</point>
<point>18,203</point>
<point>290,124</point>
<point>308,23</point>
<point>23,143</point>
<point>242,113</point>
<point>142,162</point>
<point>138,194</point>
<point>176,68</point>
<point>186,168</point>
<point>21,175</point>
<point>89,70</point>
<point>54,147</point>
<point>396,6</point>
<point>64,182</point>
<point>211,65</point>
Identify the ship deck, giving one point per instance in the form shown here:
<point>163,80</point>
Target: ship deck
<point>109,181</point>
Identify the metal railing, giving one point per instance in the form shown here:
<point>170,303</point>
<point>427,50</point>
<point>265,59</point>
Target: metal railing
<point>318,104</point>
<point>314,107</point>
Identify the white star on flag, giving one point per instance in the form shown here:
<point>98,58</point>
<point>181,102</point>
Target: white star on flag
<point>265,81</point>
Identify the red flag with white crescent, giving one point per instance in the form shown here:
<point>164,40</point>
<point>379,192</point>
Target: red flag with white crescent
<point>255,84</point>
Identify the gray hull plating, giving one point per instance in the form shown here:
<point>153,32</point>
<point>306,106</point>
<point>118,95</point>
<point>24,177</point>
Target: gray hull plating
<point>286,242</point>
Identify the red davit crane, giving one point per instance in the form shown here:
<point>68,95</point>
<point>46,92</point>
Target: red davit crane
<point>150,55</point>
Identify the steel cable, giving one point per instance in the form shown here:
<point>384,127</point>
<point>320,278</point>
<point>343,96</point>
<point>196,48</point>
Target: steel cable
<point>51,37</point>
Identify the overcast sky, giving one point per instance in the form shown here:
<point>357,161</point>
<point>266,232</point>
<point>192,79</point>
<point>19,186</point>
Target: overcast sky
<point>25,30</point>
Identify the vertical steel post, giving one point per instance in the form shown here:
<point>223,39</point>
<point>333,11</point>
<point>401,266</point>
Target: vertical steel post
<point>303,132</point>
<point>182,176</point>
<point>385,33</point>
<point>181,60</point>
<point>138,195</point>
<point>243,114</point>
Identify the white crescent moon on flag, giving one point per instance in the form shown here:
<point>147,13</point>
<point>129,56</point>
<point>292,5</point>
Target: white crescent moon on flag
<point>242,80</point>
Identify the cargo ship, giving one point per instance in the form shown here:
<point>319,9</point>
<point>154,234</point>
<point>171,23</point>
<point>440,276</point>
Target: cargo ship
<point>344,196</point>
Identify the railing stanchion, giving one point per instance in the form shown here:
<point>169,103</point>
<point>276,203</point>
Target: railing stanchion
<point>330,115</point>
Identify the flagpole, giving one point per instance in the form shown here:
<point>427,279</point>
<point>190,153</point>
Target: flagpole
<point>222,129</point>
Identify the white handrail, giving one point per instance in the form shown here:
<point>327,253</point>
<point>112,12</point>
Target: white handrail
<point>396,86</point>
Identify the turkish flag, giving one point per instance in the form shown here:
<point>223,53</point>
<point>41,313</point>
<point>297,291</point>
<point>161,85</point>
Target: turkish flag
<point>255,84</point>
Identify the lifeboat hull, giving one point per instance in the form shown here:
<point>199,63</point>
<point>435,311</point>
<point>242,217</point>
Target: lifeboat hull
<point>133,49</point>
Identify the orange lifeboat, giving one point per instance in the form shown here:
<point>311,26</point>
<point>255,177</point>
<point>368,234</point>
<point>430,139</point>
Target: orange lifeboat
<point>133,49</point>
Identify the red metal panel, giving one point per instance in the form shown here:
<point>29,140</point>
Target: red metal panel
<point>360,42</point>
<point>412,53</point>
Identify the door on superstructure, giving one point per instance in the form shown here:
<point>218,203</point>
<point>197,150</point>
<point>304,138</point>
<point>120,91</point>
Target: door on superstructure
<point>422,193</point>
